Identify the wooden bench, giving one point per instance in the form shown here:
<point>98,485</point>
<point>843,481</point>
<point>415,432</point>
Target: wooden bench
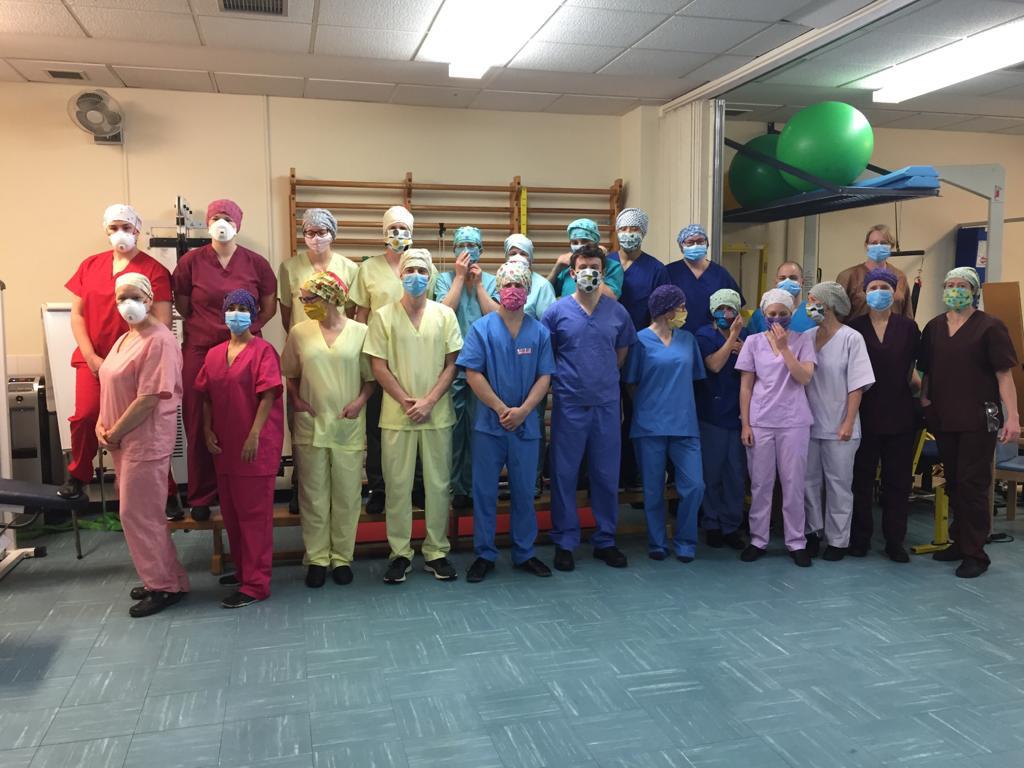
<point>371,538</point>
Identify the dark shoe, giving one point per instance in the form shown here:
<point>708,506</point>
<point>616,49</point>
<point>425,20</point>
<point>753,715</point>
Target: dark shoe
<point>375,504</point>
<point>478,570</point>
<point>801,557</point>
<point>316,576</point>
<point>442,569</point>
<point>72,489</point>
<point>238,600</point>
<point>342,575</point>
<point>858,550</point>
<point>813,544</point>
<point>229,580</point>
<point>138,593</point>
<point>971,568</point>
<point>462,501</point>
<point>564,560</point>
<point>714,538</point>
<point>612,556</point>
<point>735,540</point>
<point>154,602</point>
<point>751,553</point>
<point>657,554</point>
<point>534,566</point>
<point>684,558</point>
<point>293,503</point>
<point>397,568</point>
<point>201,513</point>
<point>950,554</point>
<point>833,554</point>
<point>419,498</point>
<point>896,553</point>
<point>173,510</point>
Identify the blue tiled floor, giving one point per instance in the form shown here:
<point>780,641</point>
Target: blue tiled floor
<point>856,664</point>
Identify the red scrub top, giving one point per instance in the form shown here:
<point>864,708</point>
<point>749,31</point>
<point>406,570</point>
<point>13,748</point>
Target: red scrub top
<point>93,283</point>
<point>200,276</point>
<point>234,392</point>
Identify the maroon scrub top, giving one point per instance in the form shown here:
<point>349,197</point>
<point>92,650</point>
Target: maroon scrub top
<point>887,408</point>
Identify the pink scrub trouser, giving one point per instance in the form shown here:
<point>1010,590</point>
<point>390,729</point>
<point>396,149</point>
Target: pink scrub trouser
<point>786,451</point>
<point>247,506</point>
<point>145,523</point>
<point>202,477</point>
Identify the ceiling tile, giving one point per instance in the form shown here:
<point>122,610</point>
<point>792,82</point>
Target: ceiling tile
<point>592,105</point>
<point>595,26</point>
<point>640,62</point>
<point>261,85</point>
<point>517,101</point>
<point>684,33</point>
<point>163,6</point>
<point>590,85</point>
<point>222,32</point>
<point>97,75</point>
<point>399,15</point>
<point>823,12</point>
<point>299,11</point>
<point>563,57</point>
<point>647,6</point>
<point>144,26</point>
<point>166,79</point>
<point>880,117</point>
<point>38,18</point>
<point>9,74</point>
<point>928,121</point>
<point>1016,130</point>
<point>954,18</point>
<point>985,124</point>
<point>366,43</point>
<point>346,90</point>
<point>762,10</point>
<point>434,96</point>
<point>1016,92</point>
<point>719,66</point>
<point>769,39</point>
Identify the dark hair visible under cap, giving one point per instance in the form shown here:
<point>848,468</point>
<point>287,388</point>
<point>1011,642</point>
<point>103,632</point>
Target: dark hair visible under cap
<point>588,251</point>
<point>878,273</point>
<point>242,297</point>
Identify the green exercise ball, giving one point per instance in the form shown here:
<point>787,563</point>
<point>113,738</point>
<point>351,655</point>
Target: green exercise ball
<point>830,140</point>
<point>754,183</point>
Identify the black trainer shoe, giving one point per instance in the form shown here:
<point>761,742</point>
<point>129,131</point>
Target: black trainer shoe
<point>857,550</point>
<point>138,593</point>
<point>397,569</point>
<point>813,544</point>
<point>714,538</point>
<point>950,554</point>
<point>229,580</point>
<point>316,576</point>
<point>833,554</point>
<point>684,558</point>
<point>375,504</point>
<point>612,556</point>
<point>342,575</point>
<point>173,510</point>
<point>751,553</point>
<point>238,600</point>
<point>478,570</point>
<point>735,540</point>
<point>462,501</point>
<point>896,553</point>
<point>534,566</point>
<point>801,557</point>
<point>201,513</point>
<point>564,560</point>
<point>971,568</point>
<point>154,602</point>
<point>72,489</point>
<point>657,554</point>
<point>442,569</point>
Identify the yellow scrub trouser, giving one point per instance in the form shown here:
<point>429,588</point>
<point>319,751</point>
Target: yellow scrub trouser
<point>330,481</point>
<point>398,457</point>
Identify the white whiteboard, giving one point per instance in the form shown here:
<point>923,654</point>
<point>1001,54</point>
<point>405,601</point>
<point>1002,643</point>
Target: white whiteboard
<point>60,376</point>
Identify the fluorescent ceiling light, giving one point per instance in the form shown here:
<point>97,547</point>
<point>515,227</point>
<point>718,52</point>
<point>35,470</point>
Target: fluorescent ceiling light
<point>973,56</point>
<point>475,35</point>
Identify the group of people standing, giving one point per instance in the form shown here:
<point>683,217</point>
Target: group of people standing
<point>444,379</point>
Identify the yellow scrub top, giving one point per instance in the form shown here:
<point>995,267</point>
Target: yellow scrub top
<point>294,272</point>
<point>330,378</point>
<point>416,358</point>
<point>377,285</point>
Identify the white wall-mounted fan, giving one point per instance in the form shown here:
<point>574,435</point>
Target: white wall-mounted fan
<point>97,113</point>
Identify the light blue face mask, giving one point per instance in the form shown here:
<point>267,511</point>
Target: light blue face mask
<point>879,299</point>
<point>695,252</point>
<point>415,284</point>
<point>472,250</point>
<point>879,252</point>
<point>630,241</point>
<point>237,322</point>
<point>789,286</point>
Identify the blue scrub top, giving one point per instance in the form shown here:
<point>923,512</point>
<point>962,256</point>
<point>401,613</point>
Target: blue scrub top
<point>541,296</point>
<point>718,395</point>
<point>698,291</point>
<point>644,275</point>
<point>587,366</point>
<point>663,404</point>
<point>613,274</point>
<point>511,367</point>
<point>800,322</point>
<point>468,311</point>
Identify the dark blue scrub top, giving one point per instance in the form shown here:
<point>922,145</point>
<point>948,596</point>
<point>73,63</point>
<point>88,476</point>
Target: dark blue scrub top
<point>718,395</point>
<point>644,275</point>
<point>698,291</point>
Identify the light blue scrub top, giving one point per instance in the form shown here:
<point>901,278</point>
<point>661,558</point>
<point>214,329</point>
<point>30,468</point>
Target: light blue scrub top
<point>511,367</point>
<point>468,311</point>
<point>541,296</point>
<point>800,322</point>
<point>664,404</point>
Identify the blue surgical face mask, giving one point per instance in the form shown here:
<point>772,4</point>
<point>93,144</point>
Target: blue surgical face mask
<point>237,322</point>
<point>630,241</point>
<point>415,284</point>
<point>789,285</point>
<point>472,250</point>
<point>722,320</point>
<point>695,252</point>
<point>879,299</point>
<point>783,321</point>
<point>879,251</point>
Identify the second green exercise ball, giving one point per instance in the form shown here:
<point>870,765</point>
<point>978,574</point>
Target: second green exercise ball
<point>830,140</point>
<point>753,182</point>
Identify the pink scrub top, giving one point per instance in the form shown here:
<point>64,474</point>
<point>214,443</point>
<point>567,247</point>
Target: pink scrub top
<point>200,276</point>
<point>778,401</point>
<point>147,363</point>
<point>234,393</point>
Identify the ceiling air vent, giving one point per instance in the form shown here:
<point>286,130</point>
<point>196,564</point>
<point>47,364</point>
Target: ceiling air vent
<point>261,7</point>
<point>65,74</point>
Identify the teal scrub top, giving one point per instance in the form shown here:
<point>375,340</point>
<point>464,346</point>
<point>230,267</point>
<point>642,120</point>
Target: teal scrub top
<point>468,311</point>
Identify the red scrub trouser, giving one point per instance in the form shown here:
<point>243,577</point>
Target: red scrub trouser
<point>202,477</point>
<point>247,506</point>
<point>145,524</point>
<point>83,428</point>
